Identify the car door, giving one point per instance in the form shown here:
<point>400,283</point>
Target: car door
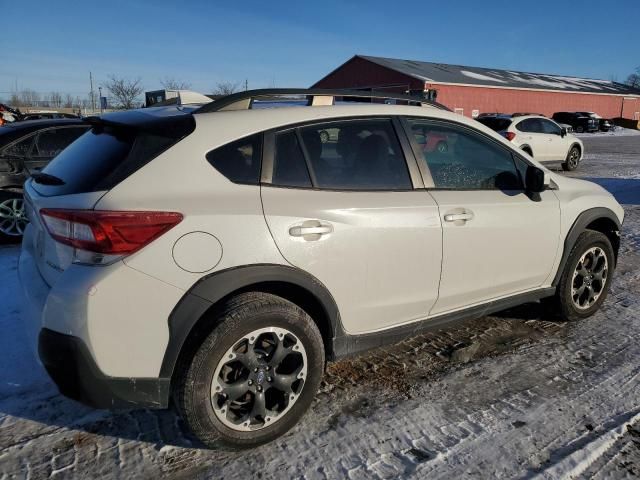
<point>48,143</point>
<point>533,135</point>
<point>558,145</point>
<point>497,240</point>
<point>346,208</point>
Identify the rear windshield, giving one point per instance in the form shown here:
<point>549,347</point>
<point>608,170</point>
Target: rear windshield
<point>496,124</point>
<point>102,158</point>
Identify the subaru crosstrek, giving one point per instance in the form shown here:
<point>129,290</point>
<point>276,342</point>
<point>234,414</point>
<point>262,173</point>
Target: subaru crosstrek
<point>220,255</point>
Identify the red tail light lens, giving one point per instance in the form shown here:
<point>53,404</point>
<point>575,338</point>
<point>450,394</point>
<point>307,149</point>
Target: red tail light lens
<point>107,232</point>
<point>510,135</point>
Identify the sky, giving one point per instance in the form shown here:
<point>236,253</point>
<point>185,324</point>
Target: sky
<point>52,46</point>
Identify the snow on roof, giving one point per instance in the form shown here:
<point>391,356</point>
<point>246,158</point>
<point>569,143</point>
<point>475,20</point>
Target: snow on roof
<point>445,73</point>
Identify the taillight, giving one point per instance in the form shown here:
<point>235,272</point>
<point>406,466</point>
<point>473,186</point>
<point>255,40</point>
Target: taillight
<point>509,135</point>
<point>107,232</point>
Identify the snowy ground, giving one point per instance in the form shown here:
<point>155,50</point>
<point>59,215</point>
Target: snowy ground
<point>618,132</point>
<point>515,395</point>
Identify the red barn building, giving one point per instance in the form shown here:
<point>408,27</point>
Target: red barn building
<point>473,90</point>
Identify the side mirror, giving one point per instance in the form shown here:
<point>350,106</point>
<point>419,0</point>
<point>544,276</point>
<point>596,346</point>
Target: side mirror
<point>536,180</point>
<point>563,131</point>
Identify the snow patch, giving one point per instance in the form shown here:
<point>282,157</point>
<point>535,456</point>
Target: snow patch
<point>479,76</point>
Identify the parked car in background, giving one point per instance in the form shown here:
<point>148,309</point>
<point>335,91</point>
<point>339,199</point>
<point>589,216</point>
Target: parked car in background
<point>26,147</point>
<point>8,114</point>
<point>220,256</point>
<point>540,137</point>
<point>47,115</point>
<point>580,121</point>
<point>605,125</point>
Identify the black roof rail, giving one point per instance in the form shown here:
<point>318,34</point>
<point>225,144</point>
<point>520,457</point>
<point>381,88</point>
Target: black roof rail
<point>315,97</point>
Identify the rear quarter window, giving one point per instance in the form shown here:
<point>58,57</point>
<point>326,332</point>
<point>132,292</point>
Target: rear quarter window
<point>239,161</point>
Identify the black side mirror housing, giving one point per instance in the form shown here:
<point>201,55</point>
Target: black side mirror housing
<point>563,131</point>
<point>534,180</point>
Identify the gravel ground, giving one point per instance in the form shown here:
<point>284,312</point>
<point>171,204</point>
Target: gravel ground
<point>514,395</point>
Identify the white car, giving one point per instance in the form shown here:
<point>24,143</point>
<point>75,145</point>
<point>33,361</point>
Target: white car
<point>540,137</point>
<point>222,255</point>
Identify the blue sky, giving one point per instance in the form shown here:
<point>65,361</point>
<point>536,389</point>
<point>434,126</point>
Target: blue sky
<point>48,46</point>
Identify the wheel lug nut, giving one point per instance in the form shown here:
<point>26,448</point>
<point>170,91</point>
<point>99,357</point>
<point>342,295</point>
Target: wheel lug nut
<point>267,368</point>
<point>255,369</point>
<point>250,382</point>
<point>269,379</point>
<point>259,388</point>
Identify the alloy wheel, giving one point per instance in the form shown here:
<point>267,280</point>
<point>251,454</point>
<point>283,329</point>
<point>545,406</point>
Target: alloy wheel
<point>13,219</point>
<point>259,379</point>
<point>574,157</point>
<point>589,278</point>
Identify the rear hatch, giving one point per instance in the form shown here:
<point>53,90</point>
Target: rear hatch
<point>116,146</point>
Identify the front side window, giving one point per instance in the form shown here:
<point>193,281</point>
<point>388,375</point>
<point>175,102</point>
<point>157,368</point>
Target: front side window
<point>21,148</point>
<point>343,155</point>
<point>239,161</point>
<point>550,127</point>
<point>51,142</point>
<point>460,159</point>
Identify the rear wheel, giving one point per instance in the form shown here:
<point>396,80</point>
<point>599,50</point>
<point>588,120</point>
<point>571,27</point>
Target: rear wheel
<point>255,375</point>
<point>587,276</point>
<point>573,159</point>
<point>12,217</point>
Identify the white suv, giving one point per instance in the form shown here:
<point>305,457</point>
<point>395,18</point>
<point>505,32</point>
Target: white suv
<point>220,256</point>
<point>540,137</point>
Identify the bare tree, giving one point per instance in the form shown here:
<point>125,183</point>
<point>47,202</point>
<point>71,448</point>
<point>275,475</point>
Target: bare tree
<point>226,88</point>
<point>633,80</point>
<point>68,101</point>
<point>15,101</point>
<point>124,91</point>
<point>29,97</point>
<point>171,83</point>
<point>55,99</point>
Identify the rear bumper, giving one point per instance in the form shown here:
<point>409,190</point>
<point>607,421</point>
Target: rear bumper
<point>71,366</point>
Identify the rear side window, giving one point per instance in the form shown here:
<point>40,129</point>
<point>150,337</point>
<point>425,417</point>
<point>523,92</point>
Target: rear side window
<point>289,164</point>
<point>102,158</point>
<point>345,155</point>
<point>530,125</point>
<point>51,142</point>
<point>239,161</point>
<point>495,124</point>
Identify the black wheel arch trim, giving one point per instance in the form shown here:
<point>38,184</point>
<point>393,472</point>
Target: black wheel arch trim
<point>580,225</point>
<point>212,288</point>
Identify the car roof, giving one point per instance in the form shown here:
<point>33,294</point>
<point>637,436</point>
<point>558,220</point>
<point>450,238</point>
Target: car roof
<point>14,130</point>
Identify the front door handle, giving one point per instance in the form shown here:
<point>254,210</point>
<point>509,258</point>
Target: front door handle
<point>458,217</point>
<point>311,230</point>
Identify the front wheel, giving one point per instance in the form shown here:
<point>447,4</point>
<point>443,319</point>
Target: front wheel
<point>573,159</point>
<point>586,277</point>
<point>255,375</point>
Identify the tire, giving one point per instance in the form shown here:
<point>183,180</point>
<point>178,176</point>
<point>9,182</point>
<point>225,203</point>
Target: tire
<point>203,391</point>
<point>564,301</point>
<point>12,217</point>
<point>573,159</point>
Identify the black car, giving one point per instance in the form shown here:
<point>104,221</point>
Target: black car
<point>47,116</point>
<point>606,125</point>
<point>580,121</point>
<point>26,147</point>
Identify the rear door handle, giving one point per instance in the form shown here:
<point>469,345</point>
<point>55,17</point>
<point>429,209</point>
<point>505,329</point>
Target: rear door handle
<point>455,217</point>
<point>311,230</point>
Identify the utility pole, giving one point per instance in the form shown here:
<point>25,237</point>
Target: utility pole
<point>93,98</point>
<point>246,84</point>
<point>100,98</point>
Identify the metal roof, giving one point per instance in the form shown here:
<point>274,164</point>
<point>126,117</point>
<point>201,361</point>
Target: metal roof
<point>460,74</point>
